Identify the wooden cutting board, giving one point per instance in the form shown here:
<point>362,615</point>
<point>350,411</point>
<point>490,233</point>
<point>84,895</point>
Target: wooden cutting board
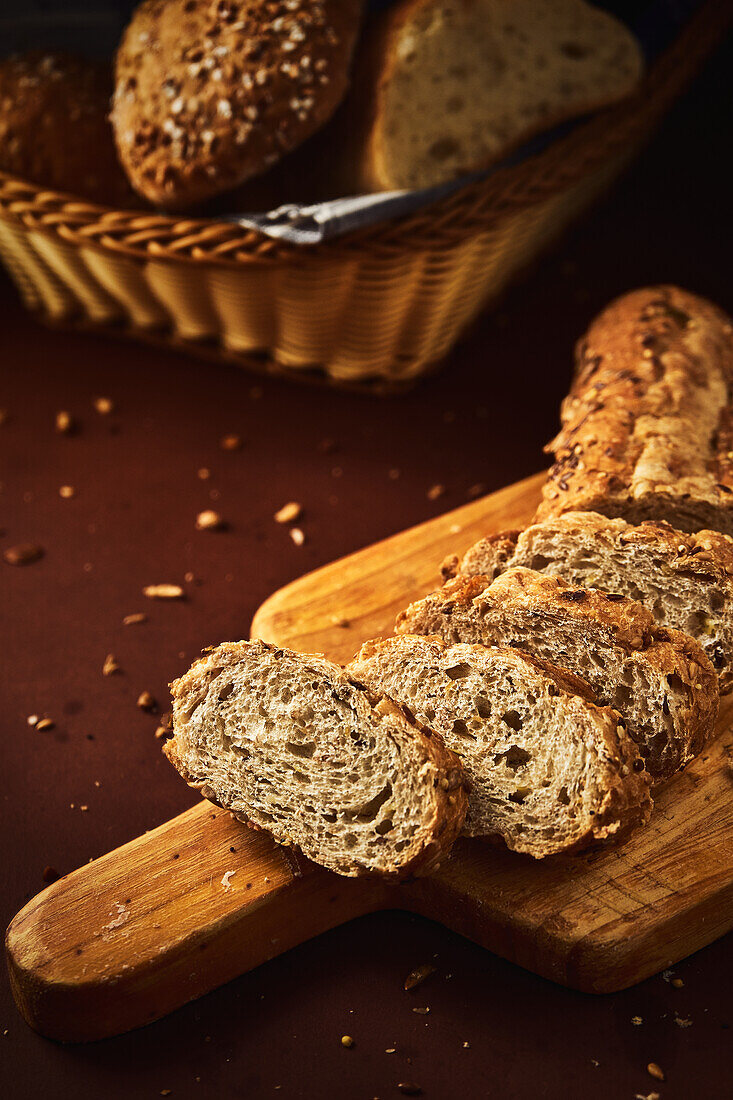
<point>201,899</point>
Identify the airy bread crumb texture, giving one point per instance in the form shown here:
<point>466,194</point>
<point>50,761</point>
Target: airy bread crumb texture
<point>550,772</point>
<point>291,744</point>
<point>464,81</point>
<point>660,681</point>
<point>686,581</point>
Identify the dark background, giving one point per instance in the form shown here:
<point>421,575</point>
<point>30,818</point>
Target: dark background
<point>481,420</point>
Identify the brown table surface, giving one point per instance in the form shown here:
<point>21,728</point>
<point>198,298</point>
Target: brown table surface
<point>98,778</point>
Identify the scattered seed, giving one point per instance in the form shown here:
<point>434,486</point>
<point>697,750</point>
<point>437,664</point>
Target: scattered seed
<point>655,1071</point>
<point>45,724</point>
<point>65,423</point>
<point>682,1021</point>
<point>347,1041</point>
<point>209,521</point>
<point>163,592</point>
<point>110,665</point>
<point>67,492</point>
<point>103,405</point>
<point>231,442</point>
<point>26,553</point>
<point>422,1011</point>
<point>390,1050</point>
<point>677,983</point>
<point>146,701</point>
<point>50,874</point>
<point>289,513</point>
<point>435,491</point>
<point>466,1046</point>
<point>135,618</point>
<point>297,536</point>
<point>637,1021</point>
<point>83,809</point>
<point>418,975</point>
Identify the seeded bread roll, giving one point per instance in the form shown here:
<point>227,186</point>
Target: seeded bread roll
<point>290,744</point>
<point>659,680</point>
<point>209,94</point>
<point>549,771</point>
<point>446,87</point>
<point>686,581</point>
<point>646,428</point>
<point>54,129</point>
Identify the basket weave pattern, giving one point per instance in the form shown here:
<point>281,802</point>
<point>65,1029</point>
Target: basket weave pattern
<point>379,305</point>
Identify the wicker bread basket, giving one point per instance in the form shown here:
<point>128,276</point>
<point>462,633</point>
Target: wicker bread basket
<point>377,307</point>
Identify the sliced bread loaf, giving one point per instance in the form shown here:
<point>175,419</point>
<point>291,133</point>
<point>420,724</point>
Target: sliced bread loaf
<point>447,87</point>
<point>549,771</point>
<point>686,581</point>
<point>289,743</point>
<point>660,680</point>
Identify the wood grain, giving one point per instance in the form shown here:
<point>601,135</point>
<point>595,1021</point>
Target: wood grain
<point>159,921</point>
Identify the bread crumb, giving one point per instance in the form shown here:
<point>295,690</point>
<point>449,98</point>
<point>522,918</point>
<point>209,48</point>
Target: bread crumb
<point>418,975</point>
<point>146,701</point>
<point>110,665</point>
<point>32,719</point>
<point>209,521</point>
<point>289,512</point>
<point>163,592</point>
<point>135,618</point>
<point>103,405</point>
<point>65,423</point>
<point>682,1021</point>
<point>637,1021</point>
<point>66,492</point>
<point>226,883</point>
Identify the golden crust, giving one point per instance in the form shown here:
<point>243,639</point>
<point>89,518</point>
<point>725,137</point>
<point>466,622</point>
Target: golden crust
<point>646,428</point>
<point>449,781</point>
<point>209,95</point>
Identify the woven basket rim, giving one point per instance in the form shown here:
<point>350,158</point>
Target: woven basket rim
<point>467,211</point>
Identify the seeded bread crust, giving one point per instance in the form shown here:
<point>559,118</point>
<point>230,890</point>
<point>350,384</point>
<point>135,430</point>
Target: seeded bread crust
<point>674,556</point>
<point>647,426</point>
<point>209,94</point>
<point>621,799</point>
<point>439,767</point>
<point>543,614</point>
<point>54,127</point>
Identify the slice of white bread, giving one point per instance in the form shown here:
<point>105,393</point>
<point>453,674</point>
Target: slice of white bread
<point>659,680</point>
<point>289,743</point>
<point>550,772</point>
<point>686,581</point>
<point>446,87</point>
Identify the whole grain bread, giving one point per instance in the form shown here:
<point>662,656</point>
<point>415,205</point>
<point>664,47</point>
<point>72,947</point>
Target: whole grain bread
<point>659,680</point>
<point>647,426</point>
<point>446,87</point>
<point>549,771</point>
<point>55,130</point>
<point>210,94</point>
<point>291,744</point>
<point>686,581</point>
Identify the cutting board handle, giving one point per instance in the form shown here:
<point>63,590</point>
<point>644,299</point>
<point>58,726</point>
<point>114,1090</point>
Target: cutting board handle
<point>164,919</point>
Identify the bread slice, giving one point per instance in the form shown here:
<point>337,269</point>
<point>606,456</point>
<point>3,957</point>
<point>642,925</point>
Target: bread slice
<point>452,86</point>
<point>289,743</point>
<point>660,680</point>
<point>686,581</point>
<point>647,428</point>
<point>549,771</point>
